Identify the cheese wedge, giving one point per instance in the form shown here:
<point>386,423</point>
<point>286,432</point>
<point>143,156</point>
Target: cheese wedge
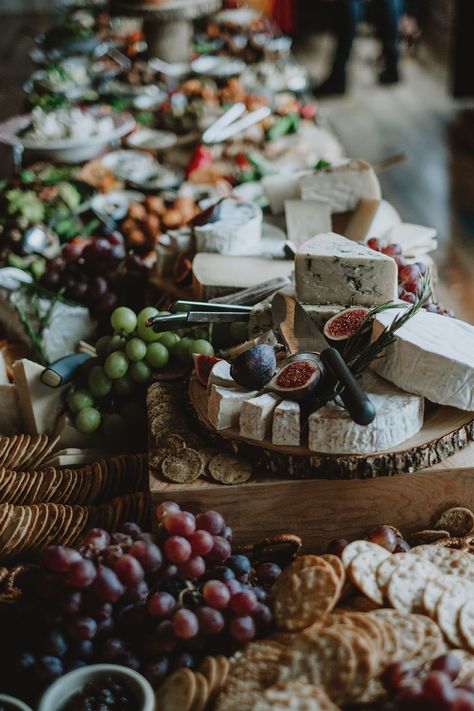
<point>220,375</point>
<point>432,356</point>
<point>40,405</point>
<point>415,240</point>
<point>279,187</point>
<point>256,416</point>
<point>11,420</point>
<point>342,186</point>
<point>306,218</point>
<point>286,430</point>
<point>237,230</point>
<point>330,269</point>
<point>331,429</point>
<point>224,405</point>
<point>371,218</point>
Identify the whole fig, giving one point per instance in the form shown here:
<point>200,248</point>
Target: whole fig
<point>255,367</point>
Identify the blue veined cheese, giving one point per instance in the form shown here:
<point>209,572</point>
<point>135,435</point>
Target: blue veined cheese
<point>330,269</point>
<point>432,355</point>
<point>331,429</point>
<point>224,405</point>
<point>286,430</point>
<point>236,231</point>
<point>342,186</point>
<point>256,416</point>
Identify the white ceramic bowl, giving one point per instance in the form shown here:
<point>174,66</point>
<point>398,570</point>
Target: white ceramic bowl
<point>14,703</point>
<point>66,150</point>
<point>57,696</point>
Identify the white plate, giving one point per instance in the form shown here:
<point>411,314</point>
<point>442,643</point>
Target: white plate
<point>116,203</point>
<point>217,66</point>
<point>149,139</point>
<point>126,164</point>
<point>239,16</point>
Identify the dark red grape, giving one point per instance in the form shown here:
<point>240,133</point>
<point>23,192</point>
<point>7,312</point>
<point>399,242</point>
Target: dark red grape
<point>157,670</point>
<point>58,559</point>
<point>129,570</point>
<point>161,604</point>
<point>392,249</point>
<point>81,573</point>
<point>383,536</point>
<point>185,624</point>
<point>148,554</point>
<point>193,568</point>
<point>267,573</point>
<point>463,701</point>
<point>107,302</point>
<point>131,529</point>
<point>50,280</point>
<point>81,627</point>
<point>448,664</point>
<point>116,238</point>
<point>242,603</point>
<point>98,538</point>
<point>261,615</point>
<point>242,629</point>
<point>166,507</point>
<point>260,593</point>
<point>97,287</point>
<point>84,649</point>
<point>402,546</point>
<point>396,675</point>
<point>107,585</point>
<point>233,586</point>
<point>227,533</point>
<point>221,550</point>
<point>136,593</point>
<point>211,621</point>
<point>72,251</point>
<point>55,644</point>
<point>71,602</point>
<point>180,523</point>
<point>336,546</point>
<point>177,549</point>
<point>201,542</point>
<point>438,691</point>
<point>211,521</point>
<point>375,243</point>
<point>165,638</point>
<point>112,648</point>
<point>216,594</point>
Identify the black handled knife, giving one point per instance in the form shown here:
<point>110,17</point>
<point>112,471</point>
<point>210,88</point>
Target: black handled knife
<point>302,336</point>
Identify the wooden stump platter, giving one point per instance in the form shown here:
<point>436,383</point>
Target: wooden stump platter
<point>445,431</point>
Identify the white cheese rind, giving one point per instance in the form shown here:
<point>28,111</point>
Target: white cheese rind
<point>286,430</point>
<point>224,406</point>
<point>236,232</point>
<point>342,186</point>
<point>330,269</point>
<point>220,375</point>
<point>331,429</point>
<point>306,218</point>
<point>432,355</point>
<point>256,416</point>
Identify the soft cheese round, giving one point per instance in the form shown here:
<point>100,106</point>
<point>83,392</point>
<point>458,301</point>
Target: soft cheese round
<point>237,230</point>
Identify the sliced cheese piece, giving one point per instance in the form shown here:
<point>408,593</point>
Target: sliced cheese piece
<point>286,430</point>
<point>432,355</point>
<point>306,218</point>
<point>11,420</point>
<point>279,187</point>
<point>236,231</point>
<point>342,186</point>
<point>219,274</point>
<point>220,375</point>
<point>331,429</point>
<point>256,416</point>
<point>331,269</point>
<point>415,240</point>
<point>40,405</point>
<point>261,320</point>
<point>224,405</point>
<point>371,218</point>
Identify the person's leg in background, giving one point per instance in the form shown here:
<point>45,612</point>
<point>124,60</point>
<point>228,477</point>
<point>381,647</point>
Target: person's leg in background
<point>389,14</point>
<point>345,15</point>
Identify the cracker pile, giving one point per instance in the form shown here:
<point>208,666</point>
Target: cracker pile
<point>187,690</point>
<point>179,455</point>
<point>91,484</point>
<point>26,451</point>
<point>26,530</point>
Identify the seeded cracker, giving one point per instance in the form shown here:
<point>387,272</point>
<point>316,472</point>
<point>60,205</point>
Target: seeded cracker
<point>229,470</point>
<point>182,466</point>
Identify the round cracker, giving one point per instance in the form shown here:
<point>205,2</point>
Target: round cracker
<point>362,570</point>
<point>354,548</point>
<point>201,694</point>
<point>227,469</point>
<point>432,593</point>
<point>433,644</point>
<point>182,466</point>
<point>409,631</point>
<point>449,560</point>
<point>177,692</point>
<point>408,581</point>
<point>304,597</point>
<point>447,613</point>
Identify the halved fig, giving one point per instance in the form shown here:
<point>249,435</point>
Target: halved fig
<point>203,364</point>
<point>297,379</point>
<point>344,324</point>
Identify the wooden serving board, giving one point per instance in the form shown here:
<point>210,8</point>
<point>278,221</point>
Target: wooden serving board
<point>445,431</point>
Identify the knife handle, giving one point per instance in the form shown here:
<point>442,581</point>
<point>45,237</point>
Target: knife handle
<point>353,396</point>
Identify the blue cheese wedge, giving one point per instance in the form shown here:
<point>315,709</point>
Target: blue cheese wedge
<point>256,416</point>
<point>330,269</point>
<point>286,430</point>
<point>432,356</point>
<point>236,231</point>
<point>220,375</point>
<point>331,429</point>
<point>224,405</point>
<point>342,186</point>
<point>306,218</point>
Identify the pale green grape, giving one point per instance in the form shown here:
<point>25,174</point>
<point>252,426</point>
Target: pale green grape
<point>114,426</point>
<point>99,384</point>
<point>147,334</point>
<point>79,399</point>
<point>136,349</point>
<point>183,350</point>
<point>123,320</point>
<point>157,355</point>
<point>116,365</point>
<point>117,343</point>
<point>169,339</point>
<point>88,420</point>
<point>124,386</point>
<point>102,346</point>
<point>146,313</point>
<point>140,372</point>
<point>203,347</point>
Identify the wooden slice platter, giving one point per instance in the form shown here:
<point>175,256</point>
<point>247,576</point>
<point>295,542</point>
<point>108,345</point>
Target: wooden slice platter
<point>446,431</point>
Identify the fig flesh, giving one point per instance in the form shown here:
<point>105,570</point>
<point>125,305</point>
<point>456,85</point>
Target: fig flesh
<point>203,364</point>
<point>297,379</point>
<point>344,324</point>
<point>254,367</point>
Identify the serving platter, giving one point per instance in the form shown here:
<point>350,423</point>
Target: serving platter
<point>445,431</point>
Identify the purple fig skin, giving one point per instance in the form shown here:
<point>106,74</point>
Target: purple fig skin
<point>344,321</point>
<point>253,368</point>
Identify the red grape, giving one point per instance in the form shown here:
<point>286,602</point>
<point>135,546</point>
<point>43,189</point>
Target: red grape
<point>438,690</point>
<point>221,550</point>
<point>402,546</point>
<point>131,529</point>
<point>177,549</point>
<point>137,592</point>
<point>98,538</point>
<point>165,638</point>
<point>409,297</point>
<point>59,558</point>
<point>216,594</point>
<point>81,573</point>
<point>180,523</point>
<point>447,663</point>
<point>211,621</point>
<point>227,533</point>
<point>399,261</point>
<point>107,585</point>
<point>161,604</point>
<point>71,602</point>
<point>148,554</point>
<point>384,536</point>
<point>261,615</point>
<point>156,670</point>
<point>193,568</point>
<point>267,573</point>
<point>375,243</point>
<point>242,603</point>
<point>201,542</point>
<point>233,586</point>
<point>392,249</point>
<point>129,570</point>
<point>242,629</point>
<point>211,521</point>
<point>112,647</point>
<point>82,627</point>
<point>185,624</point>
<point>337,546</point>
<point>463,701</point>
<point>396,675</point>
<point>166,507</point>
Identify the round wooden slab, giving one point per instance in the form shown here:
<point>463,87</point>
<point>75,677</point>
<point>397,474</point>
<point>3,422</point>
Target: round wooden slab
<point>445,431</point>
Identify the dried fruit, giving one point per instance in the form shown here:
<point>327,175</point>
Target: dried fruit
<point>254,367</point>
<point>203,364</point>
<point>344,324</point>
<point>297,379</point>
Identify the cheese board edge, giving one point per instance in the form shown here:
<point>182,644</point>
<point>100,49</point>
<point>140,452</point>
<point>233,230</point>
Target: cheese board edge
<point>302,463</point>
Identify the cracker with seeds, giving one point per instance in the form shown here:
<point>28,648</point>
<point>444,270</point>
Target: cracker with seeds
<point>227,469</point>
<point>182,466</point>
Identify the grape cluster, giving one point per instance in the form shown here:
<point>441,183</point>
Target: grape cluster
<point>152,603</point>
<point>385,536</point>
<point>432,690</point>
<point>110,387</point>
<point>409,275</point>
<point>97,273</point>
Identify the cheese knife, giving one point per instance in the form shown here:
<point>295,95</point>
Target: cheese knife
<point>301,335</point>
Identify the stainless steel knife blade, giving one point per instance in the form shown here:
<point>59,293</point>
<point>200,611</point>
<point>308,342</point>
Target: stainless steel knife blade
<point>308,335</point>
<point>283,315</point>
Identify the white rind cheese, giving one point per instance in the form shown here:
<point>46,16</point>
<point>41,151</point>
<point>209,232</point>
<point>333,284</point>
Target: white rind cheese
<point>330,269</point>
<point>236,232</point>
<point>342,186</point>
<point>432,355</point>
<point>286,431</point>
<point>306,218</point>
<point>415,240</point>
<point>220,375</point>
<point>256,416</point>
<point>224,405</point>
<point>279,187</point>
<point>331,429</point>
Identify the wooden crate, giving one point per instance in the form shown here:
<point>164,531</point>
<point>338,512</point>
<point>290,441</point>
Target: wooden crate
<point>319,510</point>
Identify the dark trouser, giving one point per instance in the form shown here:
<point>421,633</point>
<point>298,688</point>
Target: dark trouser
<point>386,16</point>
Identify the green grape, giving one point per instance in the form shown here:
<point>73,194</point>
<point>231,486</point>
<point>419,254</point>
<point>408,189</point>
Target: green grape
<point>117,343</point>
<point>136,349</point>
<point>183,350</point>
<point>203,347</point>
<point>146,313</point>
<point>147,334</point>
<point>181,308</point>
<point>198,333</point>
<point>99,384</point>
<point>123,320</point>
<point>124,386</point>
<point>239,331</point>
<point>88,420</point>
<point>79,399</point>
<point>134,414</point>
<point>157,355</point>
<point>169,339</point>
<point>114,426</point>
<point>102,346</point>
<point>116,365</point>
<point>140,372</point>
